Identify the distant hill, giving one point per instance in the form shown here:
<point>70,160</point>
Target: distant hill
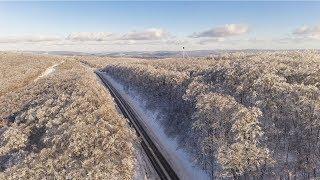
<point>147,54</point>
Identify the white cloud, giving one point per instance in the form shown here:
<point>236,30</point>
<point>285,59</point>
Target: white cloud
<point>223,31</point>
<point>130,37</point>
<point>29,39</point>
<point>90,36</point>
<point>211,40</point>
<point>177,42</point>
<point>308,32</point>
<point>291,40</point>
<point>223,37</point>
<point>149,34</point>
<point>124,42</point>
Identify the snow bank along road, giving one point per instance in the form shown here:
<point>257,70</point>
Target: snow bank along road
<point>159,162</point>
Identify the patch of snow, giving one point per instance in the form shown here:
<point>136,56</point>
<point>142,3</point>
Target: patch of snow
<point>178,158</point>
<point>48,71</point>
<point>144,169</point>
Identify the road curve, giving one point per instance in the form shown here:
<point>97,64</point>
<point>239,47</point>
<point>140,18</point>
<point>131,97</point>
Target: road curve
<point>158,161</point>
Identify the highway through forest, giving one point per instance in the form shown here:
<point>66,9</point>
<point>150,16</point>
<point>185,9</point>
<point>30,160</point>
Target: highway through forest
<point>159,162</point>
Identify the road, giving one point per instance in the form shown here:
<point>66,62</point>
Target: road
<point>158,161</point>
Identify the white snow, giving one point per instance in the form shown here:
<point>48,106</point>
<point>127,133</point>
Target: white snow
<point>178,158</point>
<point>144,169</point>
<point>48,71</point>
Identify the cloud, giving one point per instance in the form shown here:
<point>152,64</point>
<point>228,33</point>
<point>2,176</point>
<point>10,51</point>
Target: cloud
<point>149,34</point>
<point>211,40</point>
<point>90,36</point>
<point>291,40</point>
<point>130,37</point>
<point>124,42</point>
<point>178,42</point>
<point>29,39</point>
<point>223,31</point>
<point>308,32</point>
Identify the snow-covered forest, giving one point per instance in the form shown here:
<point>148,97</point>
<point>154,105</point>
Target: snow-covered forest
<point>18,70</point>
<point>239,115</point>
<point>60,125</point>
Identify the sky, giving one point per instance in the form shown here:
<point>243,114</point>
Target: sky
<point>154,26</point>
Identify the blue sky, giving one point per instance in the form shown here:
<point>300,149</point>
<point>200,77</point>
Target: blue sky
<point>115,26</point>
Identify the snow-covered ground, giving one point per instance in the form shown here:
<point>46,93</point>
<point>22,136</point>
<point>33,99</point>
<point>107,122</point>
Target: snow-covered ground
<point>178,158</point>
<point>144,169</point>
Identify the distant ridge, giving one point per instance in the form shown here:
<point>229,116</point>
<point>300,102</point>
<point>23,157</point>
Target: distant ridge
<point>149,54</point>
